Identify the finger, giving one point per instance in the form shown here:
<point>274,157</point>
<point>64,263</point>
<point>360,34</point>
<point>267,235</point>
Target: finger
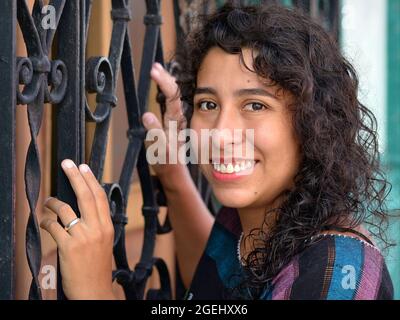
<point>168,86</point>
<point>103,208</point>
<point>56,230</point>
<point>63,211</point>
<point>86,202</point>
<point>151,122</point>
<point>165,81</point>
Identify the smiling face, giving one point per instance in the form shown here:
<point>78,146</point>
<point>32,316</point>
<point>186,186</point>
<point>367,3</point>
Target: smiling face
<point>229,97</point>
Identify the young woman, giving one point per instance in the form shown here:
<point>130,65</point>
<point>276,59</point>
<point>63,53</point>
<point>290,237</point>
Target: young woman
<point>291,228</point>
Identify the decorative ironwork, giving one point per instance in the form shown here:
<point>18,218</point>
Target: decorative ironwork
<point>57,73</point>
<point>36,72</point>
<point>325,12</point>
<point>7,147</point>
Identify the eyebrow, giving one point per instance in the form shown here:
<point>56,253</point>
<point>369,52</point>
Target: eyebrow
<point>238,93</point>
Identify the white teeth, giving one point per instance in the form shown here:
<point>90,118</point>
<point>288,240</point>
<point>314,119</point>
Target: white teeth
<point>223,168</point>
<point>231,168</point>
<point>248,164</point>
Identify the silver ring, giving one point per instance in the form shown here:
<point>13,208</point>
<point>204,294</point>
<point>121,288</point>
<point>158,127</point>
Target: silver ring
<point>71,224</point>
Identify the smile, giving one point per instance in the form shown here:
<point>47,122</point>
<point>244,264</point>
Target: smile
<point>234,171</point>
<point>237,167</point>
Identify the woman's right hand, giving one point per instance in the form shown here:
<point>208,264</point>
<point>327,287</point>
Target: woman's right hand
<point>188,214</point>
<point>174,112</point>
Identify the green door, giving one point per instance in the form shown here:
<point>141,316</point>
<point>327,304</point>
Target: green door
<point>393,134</point>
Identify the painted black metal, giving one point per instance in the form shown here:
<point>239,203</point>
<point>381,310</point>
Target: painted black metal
<point>63,81</point>
<point>7,146</point>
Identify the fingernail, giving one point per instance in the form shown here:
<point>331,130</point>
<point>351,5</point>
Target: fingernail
<point>148,118</point>
<point>67,164</point>
<point>84,168</point>
<point>47,200</point>
<point>158,66</point>
<point>154,72</point>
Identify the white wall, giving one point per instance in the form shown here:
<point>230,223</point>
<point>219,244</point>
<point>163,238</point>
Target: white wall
<point>364,44</point>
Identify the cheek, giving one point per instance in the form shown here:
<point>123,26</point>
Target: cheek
<point>199,146</point>
<point>280,151</point>
<point>197,124</point>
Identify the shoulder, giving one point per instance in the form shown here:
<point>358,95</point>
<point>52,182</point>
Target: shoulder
<point>335,267</point>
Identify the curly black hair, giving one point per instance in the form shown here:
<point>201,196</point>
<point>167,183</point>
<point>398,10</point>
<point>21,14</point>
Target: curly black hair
<point>340,178</point>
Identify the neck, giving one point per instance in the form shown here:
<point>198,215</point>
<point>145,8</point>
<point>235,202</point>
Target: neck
<point>254,218</point>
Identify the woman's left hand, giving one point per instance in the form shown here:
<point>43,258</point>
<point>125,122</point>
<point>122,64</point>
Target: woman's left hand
<point>85,250</point>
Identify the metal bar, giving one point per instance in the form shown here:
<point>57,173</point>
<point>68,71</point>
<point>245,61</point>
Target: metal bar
<point>314,8</point>
<point>302,4</point>
<point>149,50</point>
<point>70,115</point>
<point>37,73</point>
<point>133,113</point>
<point>178,27</point>
<point>334,18</point>
<point>7,147</point>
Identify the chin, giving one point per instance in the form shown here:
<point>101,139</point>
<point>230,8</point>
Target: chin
<point>232,199</point>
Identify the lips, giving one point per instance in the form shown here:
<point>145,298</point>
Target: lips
<point>234,167</point>
<point>231,171</point>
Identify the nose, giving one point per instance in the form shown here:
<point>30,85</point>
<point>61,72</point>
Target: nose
<point>228,130</point>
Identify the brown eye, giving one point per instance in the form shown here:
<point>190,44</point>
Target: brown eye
<point>254,106</point>
<point>207,106</point>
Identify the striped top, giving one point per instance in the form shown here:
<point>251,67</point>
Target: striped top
<point>334,267</point>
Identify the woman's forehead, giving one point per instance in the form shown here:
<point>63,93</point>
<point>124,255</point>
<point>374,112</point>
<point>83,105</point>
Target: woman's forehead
<point>222,69</point>
<point>216,57</point>
<point>219,65</point>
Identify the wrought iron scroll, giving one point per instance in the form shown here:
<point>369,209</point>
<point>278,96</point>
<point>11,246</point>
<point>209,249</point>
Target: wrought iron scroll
<point>100,78</point>
<point>134,281</point>
<point>43,81</point>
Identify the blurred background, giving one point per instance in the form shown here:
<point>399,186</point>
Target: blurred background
<point>370,39</point>
<point>369,34</point>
